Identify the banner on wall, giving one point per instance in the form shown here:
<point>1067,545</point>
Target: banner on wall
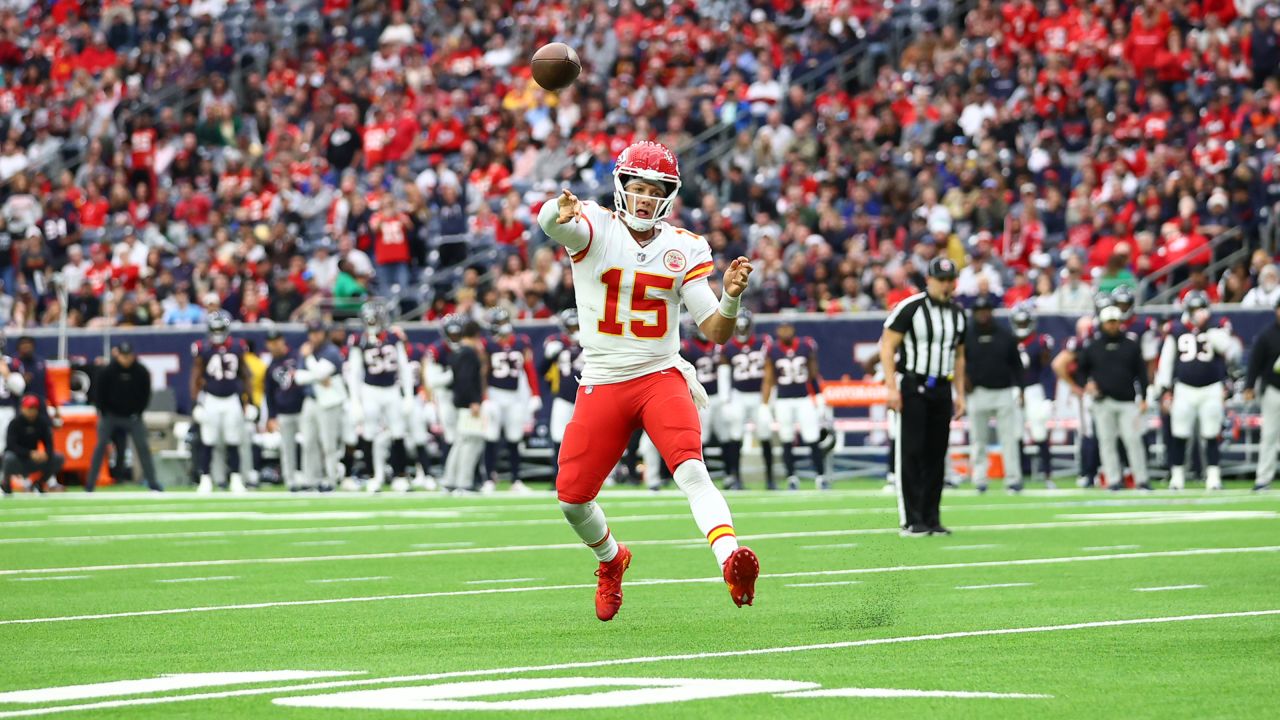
<point>844,344</point>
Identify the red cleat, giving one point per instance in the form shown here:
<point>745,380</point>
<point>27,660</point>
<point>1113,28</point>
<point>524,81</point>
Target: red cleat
<point>740,572</point>
<point>609,587</point>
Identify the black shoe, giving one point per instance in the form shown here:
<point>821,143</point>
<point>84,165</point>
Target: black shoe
<point>939,530</point>
<point>950,484</point>
<point>1013,489</point>
<point>1144,487</point>
<point>1117,487</point>
<point>1261,488</point>
<point>914,531</point>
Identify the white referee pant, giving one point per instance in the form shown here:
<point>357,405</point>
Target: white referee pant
<point>1191,403</point>
<point>1001,405</point>
<point>797,413</point>
<point>561,414</point>
<point>507,412</point>
<point>1270,436</point>
<point>448,415</point>
<point>1120,419</point>
<point>743,406</point>
<point>1036,412</point>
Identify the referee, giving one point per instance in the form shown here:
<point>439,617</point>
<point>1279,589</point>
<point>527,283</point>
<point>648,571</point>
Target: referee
<point>925,334</point>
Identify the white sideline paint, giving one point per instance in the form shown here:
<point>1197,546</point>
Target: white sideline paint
<point>636,583</point>
<point>832,546</point>
<point>199,579</point>
<point>1192,517</point>
<point>896,693</point>
<point>164,683</point>
<point>1169,514</point>
<point>320,543</point>
<point>543,507</point>
<point>500,582</point>
<point>1110,547</point>
<point>1168,587</point>
<point>826,584</point>
<point>49,577</point>
<point>455,696</point>
<point>971,547</point>
<point>613,518</point>
<point>351,579</point>
<point>995,585</point>
<point>310,687</point>
<point>433,546</point>
<point>209,541</point>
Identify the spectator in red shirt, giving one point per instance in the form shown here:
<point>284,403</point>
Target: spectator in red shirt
<point>391,229</point>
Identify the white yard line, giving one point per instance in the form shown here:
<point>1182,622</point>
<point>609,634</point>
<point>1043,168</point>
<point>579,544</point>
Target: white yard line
<point>209,541</point>
<point>1095,548</point>
<point>832,546</point>
<point>996,585</point>
<point>49,577</point>
<point>1162,519</point>
<point>896,693</point>
<point>199,579</point>
<point>971,547</point>
<point>635,583</point>
<point>351,579</point>
<point>320,543</point>
<point>436,546</point>
<point>525,669</point>
<point>1168,587</point>
<point>500,582</point>
<point>826,584</point>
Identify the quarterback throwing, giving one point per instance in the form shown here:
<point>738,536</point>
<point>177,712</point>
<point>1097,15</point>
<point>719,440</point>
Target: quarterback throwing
<point>631,273</point>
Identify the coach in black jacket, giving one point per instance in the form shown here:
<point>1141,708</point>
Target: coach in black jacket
<point>1264,367</point>
<point>23,454</point>
<point>122,392</point>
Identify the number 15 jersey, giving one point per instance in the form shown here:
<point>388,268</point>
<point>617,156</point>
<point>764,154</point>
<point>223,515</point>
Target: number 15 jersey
<point>629,296</point>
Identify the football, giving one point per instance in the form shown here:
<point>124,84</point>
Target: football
<point>555,66</point>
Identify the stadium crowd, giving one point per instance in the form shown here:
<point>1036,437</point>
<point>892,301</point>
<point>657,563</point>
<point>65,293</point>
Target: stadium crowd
<point>160,160</point>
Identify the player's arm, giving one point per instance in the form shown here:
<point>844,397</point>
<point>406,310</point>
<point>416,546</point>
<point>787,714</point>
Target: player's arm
<point>716,318</point>
<point>565,220</point>
<point>890,341</point>
<point>1062,368</point>
<point>197,374</point>
<point>317,370</point>
<point>435,375</point>
<point>1257,363</point>
<point>404,371</point>
<point>1140,372</point>
<point>246,380</point>
<point>1164,368</point>
<point>815,375</point>
<point>13,378</point>
<point>961,372</point>
<point>766,385</point>
<point>531,373</point>
<point>269,394</point>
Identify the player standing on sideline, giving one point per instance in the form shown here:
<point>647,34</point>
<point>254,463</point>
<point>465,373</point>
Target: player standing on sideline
<point>994,367</point>
<point>791,363</point>
<point>284,400</point>
<point>12,385</point>
<point>323,408</point>
<point>351,446</point>
<point>438,377</point>
<point>220,386</point>
<point>631,273</point>
<point>379,367</point>
<point>745,353</point>
<point>1066,365</point>
<point>563,354</point>
<point>1264,365</point>
<point>420,417</point>
<point>1191,373</point>
<point>1115,376</point>
<point>513,397</point>
<point>713,375</point>
<point>1036,352</point>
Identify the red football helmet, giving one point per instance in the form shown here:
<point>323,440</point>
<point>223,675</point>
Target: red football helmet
<point>649,161</point>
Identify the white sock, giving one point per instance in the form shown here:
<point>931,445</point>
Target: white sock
<point>587,519</point>
<point>710,510</point>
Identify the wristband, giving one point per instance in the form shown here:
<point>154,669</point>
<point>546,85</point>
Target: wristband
<point>729,305</point>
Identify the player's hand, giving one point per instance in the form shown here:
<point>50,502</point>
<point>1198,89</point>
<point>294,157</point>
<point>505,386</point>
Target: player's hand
<point>1091,389</point>
<point>1248,394</point>
<point>1077,391</point>
<point>1166,402</point>
<point>39,456</point>
<point>4,370</point>
<point>305,349</point>
<point>894,401</point>
<point>399,333</point>
<point>475,407</point>
<point>1142,406</point>
<point>735,278</point>
<point>959,408</point>
<point>569,205</point>
<point>535,404</point>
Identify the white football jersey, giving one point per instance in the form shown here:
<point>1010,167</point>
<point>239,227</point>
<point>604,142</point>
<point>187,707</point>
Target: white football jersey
<point>629,296</point>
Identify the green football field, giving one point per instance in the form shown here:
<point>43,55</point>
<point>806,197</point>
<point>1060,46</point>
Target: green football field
<point>1062,604</point>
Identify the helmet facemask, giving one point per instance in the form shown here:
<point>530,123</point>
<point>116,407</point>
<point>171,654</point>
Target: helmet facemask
<point>631,204</point>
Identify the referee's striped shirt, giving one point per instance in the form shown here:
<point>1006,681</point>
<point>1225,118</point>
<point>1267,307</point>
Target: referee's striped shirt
<point>931,333</point>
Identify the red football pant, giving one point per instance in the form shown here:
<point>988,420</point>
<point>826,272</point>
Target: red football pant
<point>605,416</point>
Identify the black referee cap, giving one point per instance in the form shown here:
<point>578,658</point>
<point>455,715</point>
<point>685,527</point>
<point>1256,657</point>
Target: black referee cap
<point>941,268</point>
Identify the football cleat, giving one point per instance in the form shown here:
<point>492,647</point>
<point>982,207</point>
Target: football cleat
<point>939,530</point>
<point>793,483</point>
<point>206,485</point>
<point>821,483</point>
<point>740,573</point>
<point>400,485</point>
<point>519,488</point>
<point>236,484</point>
<point>913,531</point>
<point>609,586</point>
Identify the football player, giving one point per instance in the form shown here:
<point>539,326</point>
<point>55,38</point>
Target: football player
<point>791,364</point>
<point>1191,375</point>
<point>379,368</point>
<point>12,385</point>
<point>745,354</point>
<point>563,362</point>
<point>420,419</point>
<point>1036,351</point>
<point>220,387</point>
<point>713,374</point>
<point>513,397</point>
<point>353,446</point>
<point>631,273</point>
<point>1066,366</point>
<point>438,379</point>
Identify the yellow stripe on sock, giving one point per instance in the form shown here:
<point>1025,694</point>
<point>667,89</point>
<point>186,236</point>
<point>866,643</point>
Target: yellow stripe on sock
<point>718,532</point>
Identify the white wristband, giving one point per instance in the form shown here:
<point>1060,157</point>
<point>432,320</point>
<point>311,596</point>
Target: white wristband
<point>729,305</point>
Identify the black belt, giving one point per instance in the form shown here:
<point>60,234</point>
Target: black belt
<point>929,381</point>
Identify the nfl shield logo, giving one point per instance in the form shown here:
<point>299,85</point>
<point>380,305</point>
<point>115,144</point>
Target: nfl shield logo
<point>589,389</point>
<point>640,257</point>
